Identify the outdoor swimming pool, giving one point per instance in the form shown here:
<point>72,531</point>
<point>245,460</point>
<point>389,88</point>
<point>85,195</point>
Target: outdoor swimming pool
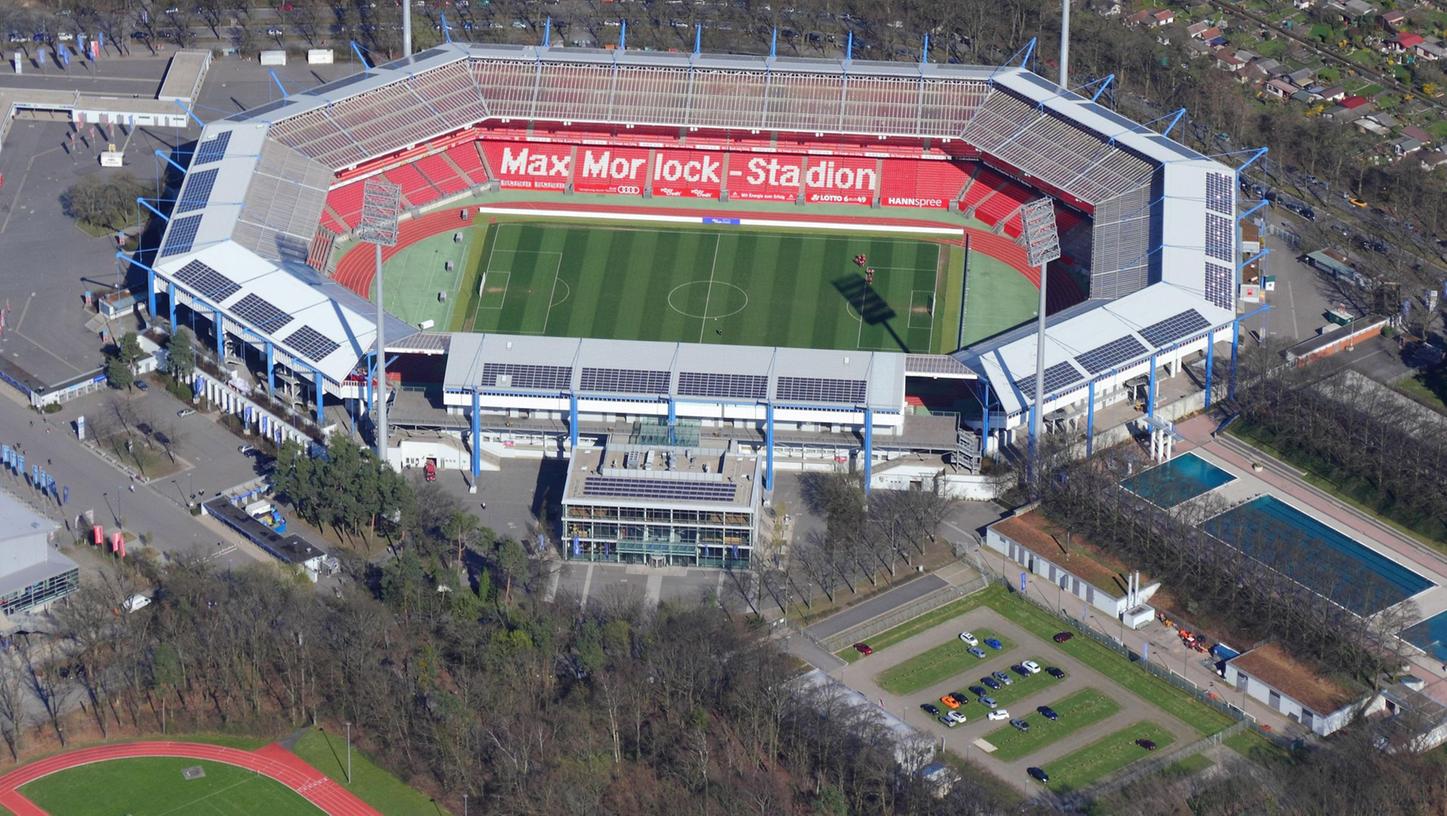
<point>1288,540</point>
<point>1181,479</point>
<point>1430,635</point>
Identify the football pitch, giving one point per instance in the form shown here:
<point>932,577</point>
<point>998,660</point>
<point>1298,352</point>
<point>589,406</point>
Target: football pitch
<point>725,286</point>
<point>156,786</point>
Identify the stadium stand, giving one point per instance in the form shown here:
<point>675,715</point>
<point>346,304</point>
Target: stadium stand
<point>920,183</point>
<point>346,202</point>
<point>416,189</point>
<point>320,253</point>
<point>469,161</point>
<point>444,175</point>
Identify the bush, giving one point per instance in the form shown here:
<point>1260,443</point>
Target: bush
<point>53,408</point>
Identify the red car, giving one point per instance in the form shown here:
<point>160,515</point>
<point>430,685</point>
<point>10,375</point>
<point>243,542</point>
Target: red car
<point>863,648</point>
<point>1061,637</point>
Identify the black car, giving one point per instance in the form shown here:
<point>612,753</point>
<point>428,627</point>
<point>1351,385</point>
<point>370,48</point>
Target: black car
<point>1020,670</point>
<point>959,697</point>
<point>978,691</point>
<point>1020,725</point>
<point>1146,744</point>
<point>1054,672</point>
<point>930,709</point>
<point>1047,712</point>
<point>1038,774</point>
<point>991,682</point>
<point>1062,637</point>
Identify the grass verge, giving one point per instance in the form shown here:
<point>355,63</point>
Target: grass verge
<point>937,664</point>
<point>1254,746</point>
<point>1105,756</point>
<point>1079,710</point>
<point>914,626</point>
<point>327,752</point>
<point>1190,766</point>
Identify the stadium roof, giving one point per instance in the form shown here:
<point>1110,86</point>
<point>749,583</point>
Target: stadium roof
<point>551,366</point>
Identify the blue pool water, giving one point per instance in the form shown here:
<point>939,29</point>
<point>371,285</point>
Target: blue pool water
<point>1181,479</point>
<point>1431,635</point>
<point>1288,540</point>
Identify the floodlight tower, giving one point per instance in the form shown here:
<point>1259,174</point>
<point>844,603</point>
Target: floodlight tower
<point>1042,245</point>
<point>1064,43</point>
<point>406,28</point>
<point>381,201</point>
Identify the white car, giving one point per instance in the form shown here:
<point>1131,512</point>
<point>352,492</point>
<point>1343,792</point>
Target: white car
<point>1031,666</point>
<point>1000,714</point>
<point>955,717</point>
<point>135,602</point>
<point>969,639</point>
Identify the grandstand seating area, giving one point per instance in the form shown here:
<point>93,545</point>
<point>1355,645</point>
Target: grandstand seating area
<point>916,183</point>
<point>443,174</point>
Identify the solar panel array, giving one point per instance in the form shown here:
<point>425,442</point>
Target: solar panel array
<point>724,386</point>
<point>542,377</point>
<point>181,236</point>
<point>625,380</point>
<point>212,149</point>
<point>1110,355</point>
<point>206,282</point>
<point>821,389</point>
<point>269,107</point>
<point>664,489</point>
<point>1219,280</point>
<point>1218,192</point>
<point>1174,328</point>
<point>321,90</point>
<point>1057,377</point>
<point>260,313</point>
<point>198,191</point>
<point>1219,237</point>
<point>312,344</point>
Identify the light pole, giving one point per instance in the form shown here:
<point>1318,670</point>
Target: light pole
<point>464,804</point>
<point>381,200</point>
<point>349,753</point>
<point>1042,245</point>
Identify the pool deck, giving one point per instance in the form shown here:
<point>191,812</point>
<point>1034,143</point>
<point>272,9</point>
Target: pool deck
<point>1283,481</point>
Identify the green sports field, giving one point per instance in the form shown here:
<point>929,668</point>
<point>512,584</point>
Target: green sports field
<point>712,286</point>
<point>155,787</point>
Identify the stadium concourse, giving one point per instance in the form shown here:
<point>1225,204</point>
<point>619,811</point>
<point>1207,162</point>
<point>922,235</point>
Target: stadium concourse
<point>730,144</point>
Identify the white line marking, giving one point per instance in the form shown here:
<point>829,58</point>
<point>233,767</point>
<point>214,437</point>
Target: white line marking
<point>552,293</point>
<point>713,267</point>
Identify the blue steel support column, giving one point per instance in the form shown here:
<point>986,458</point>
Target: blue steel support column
<point>1235,346</point>
<point>768,446</point>
<point>985,421</point>
<point>270,369</point>
<point>371,372</point>
<point>1090,419</point>
<point>151,291</point>
<point>171,305</point>
<point>573,420</point>
<point>1210,364</point>
<point>868,447</point>
<point>1151,389</point>
<point>476,435</point>
<point>317,381</point>
<point>672,420</point>
<point>1030,434</point>
<point>220,325</point>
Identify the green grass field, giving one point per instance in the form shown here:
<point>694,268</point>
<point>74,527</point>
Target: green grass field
<point>713,286</point>
<point>327,752</point>
<point>154,786</point>
<point>1105,756</point>
<point>937,664</point>
<point>413,277</point>
<point>1085,707</point>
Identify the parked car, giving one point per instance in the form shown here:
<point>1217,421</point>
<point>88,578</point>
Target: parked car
<point>1020,725</point>
<point>1047,712</point>
<point>969,638</point>
<point>135,603</point>
<point>1054,672</point>
<point>1038,774</point>
<point>930,709</point>
<point>978,691</point>
<point>1146,744</point>
<point>991,682</point>
<point>185,412</point>
<point>945,721</point>
<point>863,648</point>
<point>1031,666</point>
<point>989,702</point>
<point>999,714</point>
<point>246,450</point>
<point>994,644</point>
<point>274,31</point>
<point>955,718</point>
<point>1062,637</point>
<point>959,697</point>
<point>977,652</point>
<point>142,385</point>
<point>1020,670</point>
<point>1003,678</point>
<point>949,702</point>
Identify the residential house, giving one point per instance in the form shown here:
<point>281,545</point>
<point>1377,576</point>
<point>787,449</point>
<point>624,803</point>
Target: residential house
<point>1303,4</point>
<point>1417,133</point>
<point>1406,146</point>
<point>1335,93</point>
<point>1430,50</point>
<point>1432,161</point>
<point>1284,684</point>
<point>1163,17</point>
<point>1194,29</point>
<point>1403,42</point>
<point>1393,20</point>
<point>1279,89</point>
<point>1302,77</point>
<point>1228,61</point>
<point>1378,123</point>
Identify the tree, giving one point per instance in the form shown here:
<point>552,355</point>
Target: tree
<point>104,201</point>
<point>182,353</point>
<point>121,361</point>
<point>118,374</point>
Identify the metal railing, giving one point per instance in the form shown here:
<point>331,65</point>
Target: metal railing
<point>909,610</point>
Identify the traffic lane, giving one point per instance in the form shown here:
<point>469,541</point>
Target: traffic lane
<point>880,604</point>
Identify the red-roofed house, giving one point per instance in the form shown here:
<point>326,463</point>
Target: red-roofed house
<point>1353,102</point>
<point>1404,41</point>
<point>1393,20</point>
<point>1163,17</point>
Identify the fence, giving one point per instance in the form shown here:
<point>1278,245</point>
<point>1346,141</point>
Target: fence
<point>906,611</point>
<point>1146,767</point>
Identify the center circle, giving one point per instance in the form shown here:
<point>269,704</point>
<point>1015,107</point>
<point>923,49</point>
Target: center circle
<point>707,300</point>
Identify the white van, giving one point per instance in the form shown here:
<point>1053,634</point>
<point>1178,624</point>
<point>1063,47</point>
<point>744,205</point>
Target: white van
<point>135,602</point>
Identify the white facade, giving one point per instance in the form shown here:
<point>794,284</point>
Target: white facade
<point>1107,600</point>
<point>1320,724</point>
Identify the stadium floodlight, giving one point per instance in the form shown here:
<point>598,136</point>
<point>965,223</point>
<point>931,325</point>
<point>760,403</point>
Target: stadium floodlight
<point>381,201</point>
<point>1042,245</point>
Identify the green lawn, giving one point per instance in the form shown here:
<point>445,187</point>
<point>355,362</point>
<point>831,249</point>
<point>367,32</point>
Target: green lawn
<point>998,298</point>
<point>154,786</point>
<point>1190,766</point>
<point>937,664</point>
<point>327,752</point>
<point>1253,745</point>
<point>413,277</point>
<point>1105,756</point>
<point>914,626</point>
<point>1083,708</point>
<point>722,286</point>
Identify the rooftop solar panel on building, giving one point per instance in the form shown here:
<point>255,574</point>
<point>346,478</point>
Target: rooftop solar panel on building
<point>312,344</point>
<point>1218,192</point>
<point>1057,377</point>
<point>322,90</point>
<point>212,149</point>
<point>1174,328</point>
<point>1110,355</point>
<point>206,282</point>
<point>1219,282</point>
<point>821,389</point>
<point>513,375</point>
<point>625,380</point>
<point>261,314</point>
<point>181,236</point>
<point>660,489</point>
<point>1220,237</point>
<point>722,386</point>
<point>269,107</point>
<point>198,191</point>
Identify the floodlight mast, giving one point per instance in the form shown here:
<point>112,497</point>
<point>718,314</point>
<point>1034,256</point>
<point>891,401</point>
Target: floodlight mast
<point>1042,245</point>
<point>381,201</point>
<point>1064,44</point>
<point>406,28</point>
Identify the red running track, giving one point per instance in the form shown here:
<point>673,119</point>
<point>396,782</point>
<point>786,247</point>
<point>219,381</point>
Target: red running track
<point>273,761</point>
<point>356,268</point>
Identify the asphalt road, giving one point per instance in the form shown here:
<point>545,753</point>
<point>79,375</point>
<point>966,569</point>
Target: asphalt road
<point>878,605</point>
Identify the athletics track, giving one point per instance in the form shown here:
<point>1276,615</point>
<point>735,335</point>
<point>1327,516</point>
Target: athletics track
<point>272,761</point>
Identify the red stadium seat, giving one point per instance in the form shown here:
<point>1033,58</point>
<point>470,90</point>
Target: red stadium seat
<point>441,174</point>
<point>466,157</point>
<point>347,202</point>
<point>919,183</point>
<point>415,188</point>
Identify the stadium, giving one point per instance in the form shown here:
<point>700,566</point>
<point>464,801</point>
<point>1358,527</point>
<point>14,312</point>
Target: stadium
<point>806,259</point>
